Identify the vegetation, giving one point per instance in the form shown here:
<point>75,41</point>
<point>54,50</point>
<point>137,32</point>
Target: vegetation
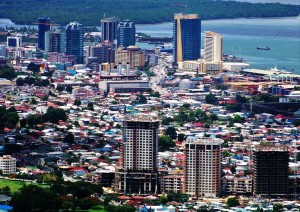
<point>165,142</point>
<point>7,71</point>
<point>232,202</point>
<point>8,118</point>
<point>90,12</point>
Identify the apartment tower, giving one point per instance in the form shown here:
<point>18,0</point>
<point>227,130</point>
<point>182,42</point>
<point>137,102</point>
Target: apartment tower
<point>213,47</point>
<point>202,171</point>
<point>186,37</point>
<point>138,173</point>
<point>271,165</point>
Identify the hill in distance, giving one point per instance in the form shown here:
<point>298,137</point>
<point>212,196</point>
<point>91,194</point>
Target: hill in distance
<point>89,12</point>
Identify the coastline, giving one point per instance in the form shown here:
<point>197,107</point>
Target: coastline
<point>11,22</point>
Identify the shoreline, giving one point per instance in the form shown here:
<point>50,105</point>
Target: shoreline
<point>11,22</point>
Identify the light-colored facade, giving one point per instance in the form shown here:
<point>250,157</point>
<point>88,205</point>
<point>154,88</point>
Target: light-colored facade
<point>8,164</point>
<point>138,173</point>
<point>213,47</point>
<point>236,185</point>
<point>171,183</point>
<point>132,55</point>
<point>14,42</point>
<point>202,172</point>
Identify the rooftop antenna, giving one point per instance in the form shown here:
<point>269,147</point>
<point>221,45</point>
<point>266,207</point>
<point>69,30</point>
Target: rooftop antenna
<point>104,15</point>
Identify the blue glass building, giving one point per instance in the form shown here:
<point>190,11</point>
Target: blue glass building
<point>126,33</point>
<point>44,26</point>
<point>187,37</point>
<point>74,41</point>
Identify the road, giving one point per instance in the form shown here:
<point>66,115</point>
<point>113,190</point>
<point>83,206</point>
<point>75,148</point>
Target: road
<point>160,71</point>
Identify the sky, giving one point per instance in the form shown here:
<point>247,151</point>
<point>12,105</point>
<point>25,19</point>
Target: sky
<point>297,2</point>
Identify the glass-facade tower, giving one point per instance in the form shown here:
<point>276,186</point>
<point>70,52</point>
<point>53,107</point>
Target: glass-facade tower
<point>74,41</point>
<point>126,33</point>
<point>187,37</point>
<point>44,26</point>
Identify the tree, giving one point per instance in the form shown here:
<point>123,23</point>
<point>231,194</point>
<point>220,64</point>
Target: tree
<point>40,200</point>
<point>77,102</point>
<point>55,114</point>
<point>140,99</point>
<point>171,131</point>
<point>20,81</point>
<point>204,208</point>
<point>232,169</point>
<point>90,106</point>
<point>69,138</point>
<point>177,196</point>
<point>181,137</point>
<point>69,89</point>
<point>165,142</point>
<point>232,202</point>
<point>7,72</point>
<point>211,99</point>
<point>277,208</point>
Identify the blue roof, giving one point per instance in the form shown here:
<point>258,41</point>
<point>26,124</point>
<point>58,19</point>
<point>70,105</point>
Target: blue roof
<point>5,207</point>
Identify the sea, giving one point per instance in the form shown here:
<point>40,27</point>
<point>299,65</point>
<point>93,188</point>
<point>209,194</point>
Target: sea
<point>241,37</point>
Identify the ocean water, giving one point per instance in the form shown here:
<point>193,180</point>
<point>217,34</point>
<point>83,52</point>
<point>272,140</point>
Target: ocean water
<point>242,36</point>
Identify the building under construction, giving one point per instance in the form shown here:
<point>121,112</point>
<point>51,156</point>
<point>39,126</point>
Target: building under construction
<point>138,172</point>
<point>271,164</point>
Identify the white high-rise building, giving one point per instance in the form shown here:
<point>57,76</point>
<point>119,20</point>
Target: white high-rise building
<point>202,173</point>
<point>14,41</point>
<point>8,164</point>
<point>138,173</point>
<point>213,47</point>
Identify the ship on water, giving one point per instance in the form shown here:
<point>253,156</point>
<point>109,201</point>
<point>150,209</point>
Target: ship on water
<point>263,48</point>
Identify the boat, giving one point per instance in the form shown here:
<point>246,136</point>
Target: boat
<point>263,48</point>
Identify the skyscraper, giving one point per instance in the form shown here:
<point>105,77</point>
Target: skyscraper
<point>14,41</point>
<point>126,33</point>
<point>271,166</point>
<point>55,41</point>
<point>138,173</point>
<point>202,171</point>
<point>213,47</point>
<point>44,26</point>
<point>187,37</point>
<point>74,41</point>
<point>109,29</point>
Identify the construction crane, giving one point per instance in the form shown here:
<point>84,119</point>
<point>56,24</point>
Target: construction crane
<point>51,30</point>
<point>182,6</point>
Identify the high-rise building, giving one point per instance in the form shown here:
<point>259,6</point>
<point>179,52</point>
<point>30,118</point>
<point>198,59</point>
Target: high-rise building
<point>213,47</point>
<point>74,41</point>
<point>109,29</point>
<point>104,52</point>
<point>14,41</point>
<point>139,156</point>
<point>55,41</point>
<point>44,26</point>
<point>202,172</point>
<point>133,55</point>
<point>2,51</point>
<point>271,166</point>
<point>8,164</point>
<point>126,33</point>
<point>186,37</point>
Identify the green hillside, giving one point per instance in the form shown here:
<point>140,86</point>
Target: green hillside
<point>89,12</point>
